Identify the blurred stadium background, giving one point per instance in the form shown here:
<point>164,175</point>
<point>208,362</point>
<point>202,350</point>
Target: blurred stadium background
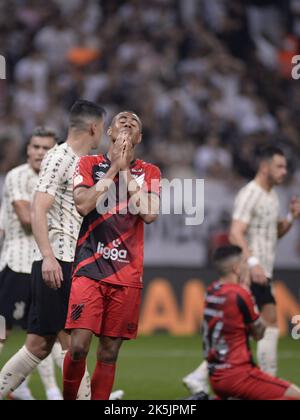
<point>211,80</point>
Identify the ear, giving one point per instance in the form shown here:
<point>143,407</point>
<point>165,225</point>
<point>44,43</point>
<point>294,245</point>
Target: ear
<point>109,132</point>
<point>264,166</point>
<point>235,268</point>
<point>140,139</point>
<point>93,128</point>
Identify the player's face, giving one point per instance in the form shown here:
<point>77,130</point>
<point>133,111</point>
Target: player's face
<point>98,129</point>
<point>278,170</point>
<point>127,122</point>
<point>37,149</point>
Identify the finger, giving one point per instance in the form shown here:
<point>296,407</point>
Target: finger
<point>49,280</point>
<point>61,274</point>
<point>57,279</point>
<point>45,276</point>
<point>54,281</point>
<point>119,141</point>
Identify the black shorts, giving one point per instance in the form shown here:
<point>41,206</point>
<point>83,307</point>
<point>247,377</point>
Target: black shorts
<point>263,294</point>
<point>49,308</point>
<point>14,298</point>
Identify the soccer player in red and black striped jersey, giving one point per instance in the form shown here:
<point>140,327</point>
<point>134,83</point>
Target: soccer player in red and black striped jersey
<point>231,317</point>
<point>108,269</point>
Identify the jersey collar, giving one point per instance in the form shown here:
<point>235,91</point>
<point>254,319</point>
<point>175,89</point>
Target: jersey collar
<point>132,164</point>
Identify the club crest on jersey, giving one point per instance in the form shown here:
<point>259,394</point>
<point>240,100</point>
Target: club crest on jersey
<point>99,175</point>
<point>104,165</point>
<point>139,179</point>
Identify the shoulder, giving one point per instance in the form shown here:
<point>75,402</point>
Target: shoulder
<point>60,158</point>
<point>240,291</point>
<point>146,166</point>
<point>251,192</point>
<point>15,173</point>
<point>54,154</point>
<point>88,162</point>
<point>249,188</point>
<point>92,159</point>
<point>233,289</point>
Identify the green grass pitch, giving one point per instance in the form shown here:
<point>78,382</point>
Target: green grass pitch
<point>153,367</point>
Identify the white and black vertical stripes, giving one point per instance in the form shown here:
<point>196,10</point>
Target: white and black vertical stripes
<point>17,251</point>
<point>64,222</point>
<point>260,210</point>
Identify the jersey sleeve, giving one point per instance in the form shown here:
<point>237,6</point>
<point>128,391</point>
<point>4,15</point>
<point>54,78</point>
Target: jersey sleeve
<point>16,188</point>
<point>83,176</point>
<point>152,182</point>
<point>244,205</point>
<point>247,306</point>
<point>52,170</point>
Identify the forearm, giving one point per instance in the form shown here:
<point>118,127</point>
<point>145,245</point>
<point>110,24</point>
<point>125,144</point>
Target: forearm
<point>239,239</point>
<point>284,226</point>
<point>40,231</point>
<point>146,205</point>
<point>87,199</point>
<point>23,212</point>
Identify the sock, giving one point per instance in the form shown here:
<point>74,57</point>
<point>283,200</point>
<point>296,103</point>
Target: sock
<point>267,351</point>
<point>58,355</point>
<point>47,374</point>
<point>84,392</point>
<point>73,373</point>
<point>23,390</point>
<point>103,381</point>
<point>16,370</point>
<point>1,347</point>
<point>199,378</point>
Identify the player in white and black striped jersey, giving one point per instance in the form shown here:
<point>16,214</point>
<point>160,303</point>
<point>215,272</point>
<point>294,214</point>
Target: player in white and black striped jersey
<point>256,228</point>
<point>16,257</point>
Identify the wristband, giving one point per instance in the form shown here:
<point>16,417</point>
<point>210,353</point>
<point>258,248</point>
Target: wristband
<point>290,218</point>
<point>253,262</point>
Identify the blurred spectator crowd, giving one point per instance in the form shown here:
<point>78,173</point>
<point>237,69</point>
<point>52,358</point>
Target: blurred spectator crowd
<point>211,79</point>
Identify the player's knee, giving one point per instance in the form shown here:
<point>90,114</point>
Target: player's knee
<point>269,315</point>
<point>108,355</point>
<point>79,352</point>
<point>40,346</point>
<point>271,321</point>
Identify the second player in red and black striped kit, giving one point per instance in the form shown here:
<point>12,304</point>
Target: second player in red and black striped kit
<point>231,317</point>
<point>108,270</point>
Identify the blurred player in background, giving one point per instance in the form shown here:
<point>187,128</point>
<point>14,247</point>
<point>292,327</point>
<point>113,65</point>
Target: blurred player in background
<point>108,271</point>
<point>230,318</point>
<point>17,253</point>
<point>55,225</point>
<point>256,228</point>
